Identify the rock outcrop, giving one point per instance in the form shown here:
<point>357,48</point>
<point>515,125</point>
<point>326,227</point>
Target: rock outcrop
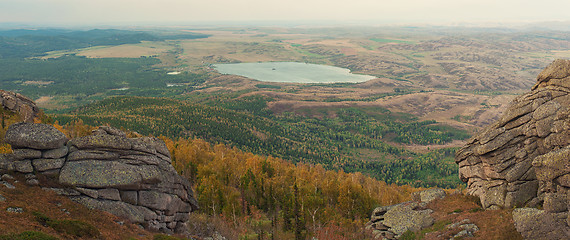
<point>128,177</point>
<point>524,158</point>
<point>390,222</point>
<point>533,223</point>
<point>19,103</point>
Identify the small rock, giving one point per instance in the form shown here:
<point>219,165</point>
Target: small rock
<point>457,224</point>
<point>110,130</point>
<point>218,236</point>
<point>463,234</point>
<point>30,176</point>
<point>429,195</point>
<point>33,182</point>
<point>7,184</point>
<point>65,211</point>
<point>7,177</point>
<point>14,210</point>
<point>472,228</point>
<point>2,198</point>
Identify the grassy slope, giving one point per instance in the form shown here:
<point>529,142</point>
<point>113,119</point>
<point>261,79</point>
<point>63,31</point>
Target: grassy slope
<point>34,199</point>
<point>493,224</point>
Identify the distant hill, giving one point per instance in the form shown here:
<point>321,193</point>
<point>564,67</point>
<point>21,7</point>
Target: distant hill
<point>22,43</point>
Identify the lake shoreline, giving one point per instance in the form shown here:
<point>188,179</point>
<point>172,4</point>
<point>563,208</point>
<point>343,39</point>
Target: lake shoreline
<point>292,72</point>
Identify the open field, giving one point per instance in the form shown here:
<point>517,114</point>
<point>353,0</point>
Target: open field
<point>144,49</point>
<point>127,51</point>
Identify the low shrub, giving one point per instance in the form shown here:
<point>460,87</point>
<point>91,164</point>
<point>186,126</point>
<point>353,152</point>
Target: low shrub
<point>75,228</point>
<point>72,227</point>
<point>408,235</point>
<point>27,235</point>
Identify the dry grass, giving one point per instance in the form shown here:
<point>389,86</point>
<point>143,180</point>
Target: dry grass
<point>493,224</point>
<point>35,199</point>
<point>125,51</point>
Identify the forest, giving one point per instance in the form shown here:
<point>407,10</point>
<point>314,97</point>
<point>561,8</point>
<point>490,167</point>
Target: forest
<point>92,78</point>
<point>247,124</point>
<point>249,196</point>
<point>22,43</point>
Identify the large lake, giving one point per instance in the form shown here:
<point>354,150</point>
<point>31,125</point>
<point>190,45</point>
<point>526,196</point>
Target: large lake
<point>291,72</point>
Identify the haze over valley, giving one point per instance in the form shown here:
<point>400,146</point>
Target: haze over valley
<point>265,120</point>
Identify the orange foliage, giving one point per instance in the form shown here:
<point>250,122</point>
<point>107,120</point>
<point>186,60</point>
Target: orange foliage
<point>7,118</point>
<point>236,184</point>
<point>5,148</point>
<point>74,129</point>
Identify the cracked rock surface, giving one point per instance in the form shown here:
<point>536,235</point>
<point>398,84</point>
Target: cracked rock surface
<point>129,177</point>
<point>390,222</point>
<point>523,159</point>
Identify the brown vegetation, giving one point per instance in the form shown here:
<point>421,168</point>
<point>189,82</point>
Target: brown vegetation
<point>493,224</point>
<point>260,192</point>
<point>36,200</point>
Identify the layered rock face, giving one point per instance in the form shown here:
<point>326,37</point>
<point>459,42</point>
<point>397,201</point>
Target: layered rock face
<point>128,177</point>
<point>19,103</point>
<point>497,163</point>
<point>524,158</point>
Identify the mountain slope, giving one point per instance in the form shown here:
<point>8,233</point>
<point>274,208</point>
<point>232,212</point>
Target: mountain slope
<point>353,142</point>
<point>34,201</point>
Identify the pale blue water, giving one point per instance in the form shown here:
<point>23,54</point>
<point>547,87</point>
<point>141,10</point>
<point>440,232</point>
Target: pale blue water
<point>291,72</point>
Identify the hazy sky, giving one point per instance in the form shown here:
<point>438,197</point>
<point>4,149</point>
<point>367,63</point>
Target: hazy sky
<point>77,12</point>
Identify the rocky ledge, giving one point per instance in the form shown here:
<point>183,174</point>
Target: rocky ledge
<point>523,159</point>
<point>129,177</point>
<point>19,103</point>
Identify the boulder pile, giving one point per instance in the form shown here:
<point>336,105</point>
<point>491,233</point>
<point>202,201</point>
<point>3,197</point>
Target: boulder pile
<point>523,160</point>
<point>128,177</point>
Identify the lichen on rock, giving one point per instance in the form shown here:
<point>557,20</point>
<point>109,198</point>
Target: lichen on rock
<point>391,222</point>
<point>129,177</point>
<point>523,159</point>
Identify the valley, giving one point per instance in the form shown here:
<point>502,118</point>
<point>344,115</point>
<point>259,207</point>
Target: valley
<point>432,88</point>
<point>473,73</point>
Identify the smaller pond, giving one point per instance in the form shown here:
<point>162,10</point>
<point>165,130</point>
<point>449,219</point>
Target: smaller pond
<point>292,72</point>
